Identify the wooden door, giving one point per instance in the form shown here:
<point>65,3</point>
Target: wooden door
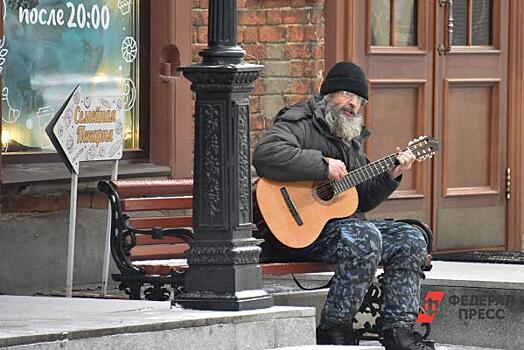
<point>397,54</point>
<point>470,119</point>
<point>455,91</point>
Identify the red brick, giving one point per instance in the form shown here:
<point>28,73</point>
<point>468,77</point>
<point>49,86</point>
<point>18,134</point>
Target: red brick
<point>204,4</point>
<point>313,68</point>
<point>272,34</point>
<point>256,122</point>
<point>295,16</point>
<point>196,3</point>
<point>196,48</point>
<point>257,51</point>
<point>241,4</point>
<point>298,3</point>
<point>253,4</point>
<point>202,35</point>
<point>314,33</point>
<point>260,87</point>
<point>250,35</point>
<point>290,100</point>
<point>297,50</point>
<point>302,3</point>
<point>200,18</point>
<point>301,86</point>
<point>297,68</point>
<point>255,136</point>
<point>274,16</point>
<point>275,3</point>
<point>317,15</point>
<point>251,17</point>
<point>295,33</point>
<point>318,51</point>
<point>315,86</point>
<point>254,104</point>
<point>240,35</point>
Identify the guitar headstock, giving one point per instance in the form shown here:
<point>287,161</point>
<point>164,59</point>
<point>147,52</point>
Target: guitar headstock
<point>423,147</point>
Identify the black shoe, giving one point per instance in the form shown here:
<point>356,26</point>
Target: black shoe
<point>405,339</point>
<point>342,335</point>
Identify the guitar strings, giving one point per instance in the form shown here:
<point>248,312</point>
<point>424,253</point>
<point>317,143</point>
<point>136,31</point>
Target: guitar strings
<point>329,187</point>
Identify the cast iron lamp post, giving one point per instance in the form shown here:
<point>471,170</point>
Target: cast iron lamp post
<point>223,260</point>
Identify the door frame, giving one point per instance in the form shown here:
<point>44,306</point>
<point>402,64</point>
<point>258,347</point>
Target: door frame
<point>340,40</point>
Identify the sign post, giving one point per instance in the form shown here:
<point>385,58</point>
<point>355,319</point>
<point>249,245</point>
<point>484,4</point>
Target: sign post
<point>107,251</point>
<point>85,128</point>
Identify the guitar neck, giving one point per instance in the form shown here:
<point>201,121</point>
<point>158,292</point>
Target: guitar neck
<point>362,174</point>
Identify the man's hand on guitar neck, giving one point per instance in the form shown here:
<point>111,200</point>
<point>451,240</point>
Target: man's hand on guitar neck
<point>405,160</point>
<point>337,168</point>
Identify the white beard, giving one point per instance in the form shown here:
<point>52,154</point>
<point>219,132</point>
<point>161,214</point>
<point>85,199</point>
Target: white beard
<point>342,126</point>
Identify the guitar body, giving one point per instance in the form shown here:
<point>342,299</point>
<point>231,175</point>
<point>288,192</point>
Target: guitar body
<point>296,214</point>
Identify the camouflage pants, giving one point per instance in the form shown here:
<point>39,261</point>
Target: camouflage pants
<point>357,247</point>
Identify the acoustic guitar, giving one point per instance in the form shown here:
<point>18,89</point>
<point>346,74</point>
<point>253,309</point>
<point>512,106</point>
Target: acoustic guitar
<point>297,211</point>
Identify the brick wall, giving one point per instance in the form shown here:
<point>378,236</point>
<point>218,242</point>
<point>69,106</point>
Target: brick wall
<point>287,37</point>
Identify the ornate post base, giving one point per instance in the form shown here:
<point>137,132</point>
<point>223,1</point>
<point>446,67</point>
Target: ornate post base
<point>223,260</point>
<point>224,276</point>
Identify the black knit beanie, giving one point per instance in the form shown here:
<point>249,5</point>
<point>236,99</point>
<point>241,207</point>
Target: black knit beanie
<point>345,76</point>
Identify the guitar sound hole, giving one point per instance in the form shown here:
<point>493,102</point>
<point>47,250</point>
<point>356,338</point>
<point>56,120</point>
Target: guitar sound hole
<point>325,192</point>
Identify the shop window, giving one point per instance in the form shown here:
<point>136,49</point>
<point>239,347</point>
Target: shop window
<point>51,46</point>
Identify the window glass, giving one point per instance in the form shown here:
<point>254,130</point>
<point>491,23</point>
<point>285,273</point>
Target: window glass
<point>49,47</point>
<point>481,25</point>
<point>460,25</point>
<point>380,22</point>
<point>405,23</point>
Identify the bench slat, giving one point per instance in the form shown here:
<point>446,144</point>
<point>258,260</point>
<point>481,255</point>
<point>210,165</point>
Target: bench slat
<point>162,267</point>
<point>157,203</point>
<point>153,187</point>
<point>159,251</point>
<point>147,240</point>
<point>277,269</point>
<point>161,221</point>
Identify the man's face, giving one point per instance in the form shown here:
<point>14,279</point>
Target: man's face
<point>348,103</point>
<point>343,114</point>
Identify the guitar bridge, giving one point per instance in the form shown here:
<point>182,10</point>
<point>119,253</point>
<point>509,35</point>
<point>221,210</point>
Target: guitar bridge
<point>291,206</point>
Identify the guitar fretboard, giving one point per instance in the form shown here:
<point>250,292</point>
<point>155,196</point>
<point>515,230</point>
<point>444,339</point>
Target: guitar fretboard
<point>362,174</point>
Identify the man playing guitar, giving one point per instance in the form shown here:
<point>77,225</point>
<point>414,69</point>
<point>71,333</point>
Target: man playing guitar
<point>321,139</point>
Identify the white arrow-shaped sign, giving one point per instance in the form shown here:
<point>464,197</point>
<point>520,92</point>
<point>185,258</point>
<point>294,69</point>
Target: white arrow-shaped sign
<point>88,128</point>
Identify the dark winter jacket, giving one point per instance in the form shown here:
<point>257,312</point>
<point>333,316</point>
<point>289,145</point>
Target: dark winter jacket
<point>295,147</point>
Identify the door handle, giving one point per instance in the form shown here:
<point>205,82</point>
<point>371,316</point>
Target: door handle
<point>444,49</point>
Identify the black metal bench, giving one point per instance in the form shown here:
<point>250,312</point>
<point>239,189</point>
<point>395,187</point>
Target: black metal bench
<point>151,232</point>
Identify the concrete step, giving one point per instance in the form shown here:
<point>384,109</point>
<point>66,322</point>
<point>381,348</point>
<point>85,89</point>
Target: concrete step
<point>43,323</point>
<point>483,304</point>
